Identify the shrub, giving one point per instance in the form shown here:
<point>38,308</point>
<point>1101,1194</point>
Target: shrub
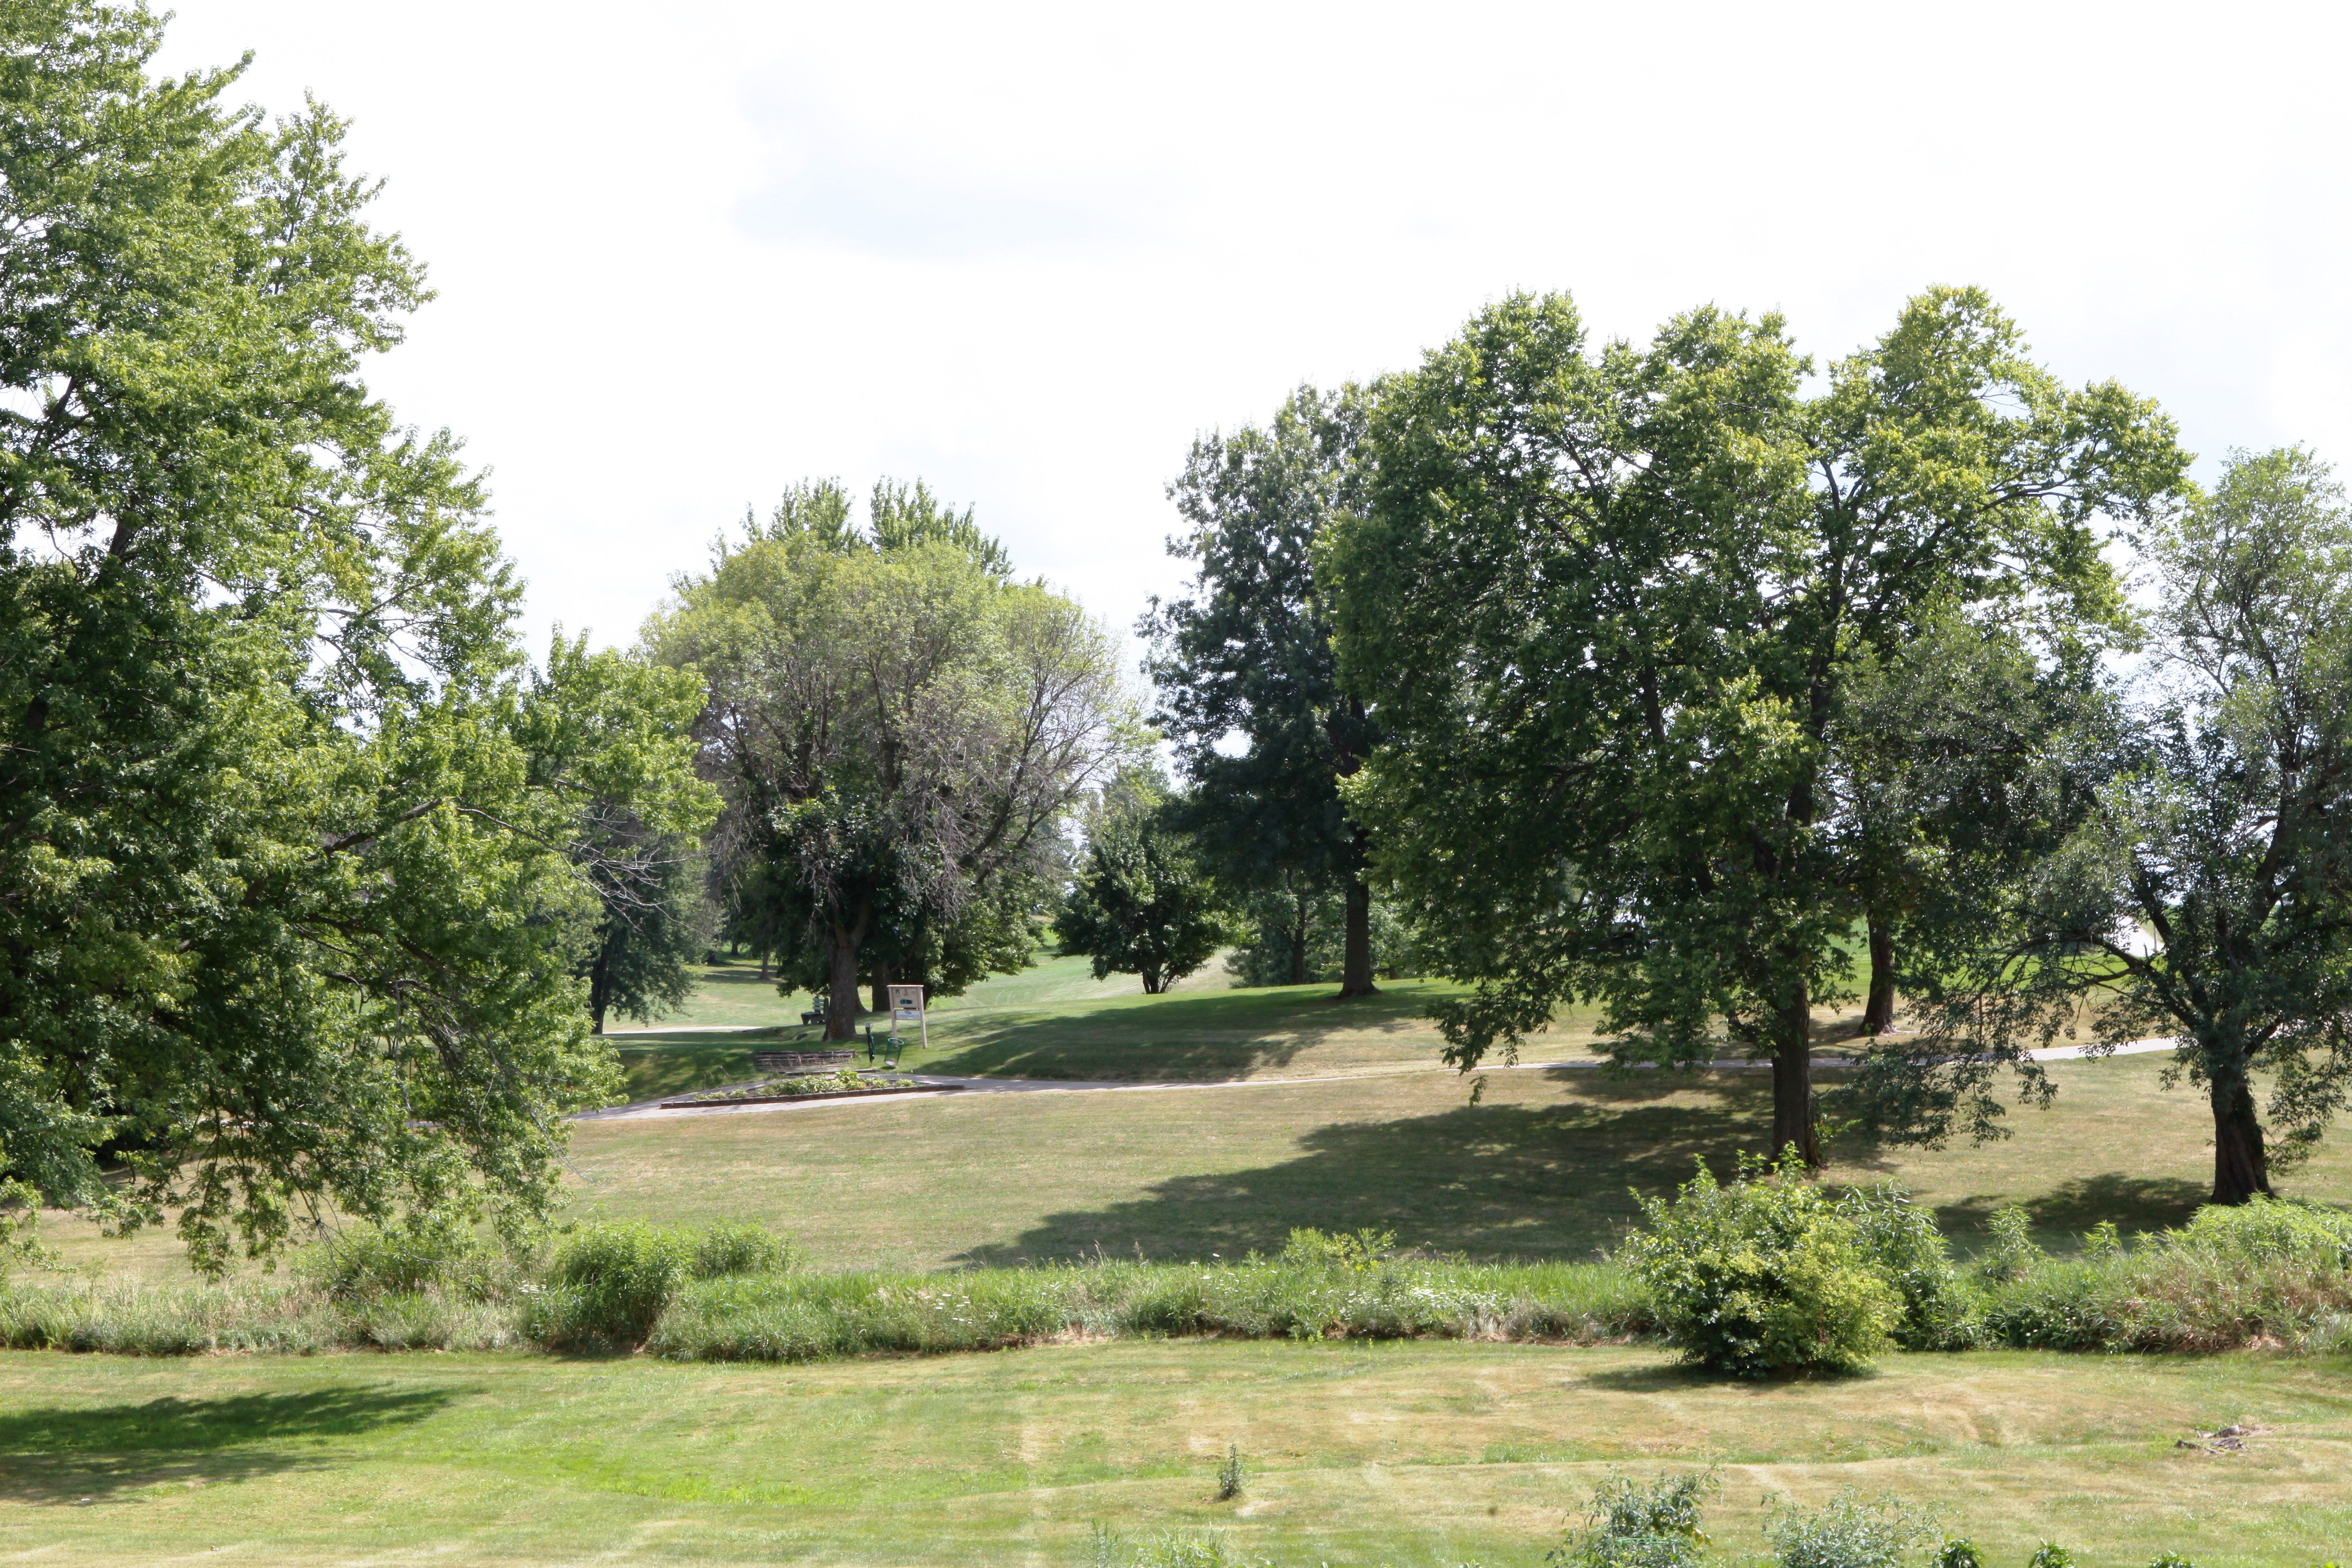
<point>609,1286</point>
<point>1960,1554</point>
<point>1229,1474</point>
<point>2052,1555</point>
<point>1762,1273</point>
<point>1848,1532</point>
<point>728,1250</point>
<point>366,1262</point>
<point>1638,1524</point>
<point>2014,1253</point>
<point>1903,1246</point>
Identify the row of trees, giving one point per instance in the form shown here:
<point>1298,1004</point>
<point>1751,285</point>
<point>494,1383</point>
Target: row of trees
<point>1675,678</point>
<point>1682,681</point>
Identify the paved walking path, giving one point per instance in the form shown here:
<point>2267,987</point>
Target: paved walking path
<point>653,1109</point>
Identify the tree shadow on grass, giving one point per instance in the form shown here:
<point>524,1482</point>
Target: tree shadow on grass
<point>2135,1203</point>
<point>1207,1035</point>
<point>1490,1181</point>
<point>63,1454</point>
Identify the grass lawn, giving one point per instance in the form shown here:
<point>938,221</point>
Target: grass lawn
<point>1541,1167</point>
<point>1400,1454</point>
<point>1056,1021</point>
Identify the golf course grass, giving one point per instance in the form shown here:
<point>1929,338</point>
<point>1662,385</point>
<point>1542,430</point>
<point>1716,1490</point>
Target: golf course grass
<point>1414,1453</point>
<point>1397,1453</point>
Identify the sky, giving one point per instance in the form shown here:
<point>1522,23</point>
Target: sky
<point>688,254</point>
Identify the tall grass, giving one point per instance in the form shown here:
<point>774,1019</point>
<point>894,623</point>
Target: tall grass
<point>2270,1274</point>
<point>811,1317</point>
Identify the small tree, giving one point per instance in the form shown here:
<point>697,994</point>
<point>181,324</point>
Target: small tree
<point>2207,892</point>
<point>1143,903</point>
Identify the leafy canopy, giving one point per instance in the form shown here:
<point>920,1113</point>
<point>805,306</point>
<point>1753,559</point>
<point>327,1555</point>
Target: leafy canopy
<point>287,826</point>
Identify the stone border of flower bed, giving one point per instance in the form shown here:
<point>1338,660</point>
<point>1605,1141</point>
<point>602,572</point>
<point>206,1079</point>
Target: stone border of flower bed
<point>809,1099</point>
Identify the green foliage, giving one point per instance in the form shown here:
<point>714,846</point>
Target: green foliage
<point>2048,1554</point>
<point>1632,1523</point>
<point>287,829</point>
<point>1141,903</point>
<point>2231,1277</point>
<point>1609,602</point>
<point>2216,824</point>
<point>1230,1476</point>
<point>1958,1553</point>
<point>1248,654</point>
<point>1290,937</point>
<point>1762,1273</point>
<point>723,1251</point>
<point>2172,1560</point>
<point>1173,1549</point>
<point>1848,1531</point>
<point>1903,1246</point>
<point>2014,1253</point>
<point>610,1284</point>
<point>370,1261</point>
<point>900,731</point>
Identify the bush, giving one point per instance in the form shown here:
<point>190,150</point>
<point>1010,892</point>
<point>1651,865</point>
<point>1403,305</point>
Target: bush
<point>366,1262</point>
<point>1762,1273</point>
<point>1637,1524</point>
<point>609,1286</point>
<point>1902,1244</point>
<point>2267,1271</point>
<point>1847,1533</point>
<point>728,1249</point>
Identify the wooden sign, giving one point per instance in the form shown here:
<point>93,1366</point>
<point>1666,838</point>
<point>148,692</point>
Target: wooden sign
<point>907,1004</point>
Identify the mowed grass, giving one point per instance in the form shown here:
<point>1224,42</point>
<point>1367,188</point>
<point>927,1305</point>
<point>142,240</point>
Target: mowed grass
<point>1400,1454</point>
<point>1546,1165</point>
<point>1056,1021</point>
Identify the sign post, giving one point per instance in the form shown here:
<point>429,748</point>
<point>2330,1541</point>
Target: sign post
<point>907,1004</point>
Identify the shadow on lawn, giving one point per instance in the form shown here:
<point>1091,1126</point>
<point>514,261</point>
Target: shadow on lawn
<point>1492,1180</point>
<point>1207,1035</point>
<point>67,1455</point>
<point>2135,1203</point>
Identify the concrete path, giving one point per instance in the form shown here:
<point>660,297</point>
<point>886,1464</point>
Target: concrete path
<point>653,1109</point>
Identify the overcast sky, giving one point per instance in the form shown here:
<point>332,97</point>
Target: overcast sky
<point>688,253</point>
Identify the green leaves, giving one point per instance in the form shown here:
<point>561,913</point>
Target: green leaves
<point>1609,608</point>
<point>288,840</point>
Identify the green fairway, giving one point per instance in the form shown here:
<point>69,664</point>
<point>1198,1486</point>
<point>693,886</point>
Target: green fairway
<point>1400,1454</point>
<point>1056,1021</point>
<point>1541,1167</point>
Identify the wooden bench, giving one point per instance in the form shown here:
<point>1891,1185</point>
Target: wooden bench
<point>797,1061</point>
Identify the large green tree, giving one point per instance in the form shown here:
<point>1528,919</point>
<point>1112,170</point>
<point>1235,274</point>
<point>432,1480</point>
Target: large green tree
<point>2206,893</point>
<point>899,729</point>
<point>1606,608</point>
<point>288,883</point>
<point>1247,657</point>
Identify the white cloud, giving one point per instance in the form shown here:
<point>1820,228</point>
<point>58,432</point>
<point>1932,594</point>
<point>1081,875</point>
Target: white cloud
<point>689,254</point>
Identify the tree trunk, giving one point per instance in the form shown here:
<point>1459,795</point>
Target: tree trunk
<point>1792,1079</point>
<point>883,976</point>
<point>1878,1012</point>
<point>2242,1170</point>
<point>1152,984</point>
<point>841,975</point>
<point>1299,937</point>
<point>1356,968</point>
